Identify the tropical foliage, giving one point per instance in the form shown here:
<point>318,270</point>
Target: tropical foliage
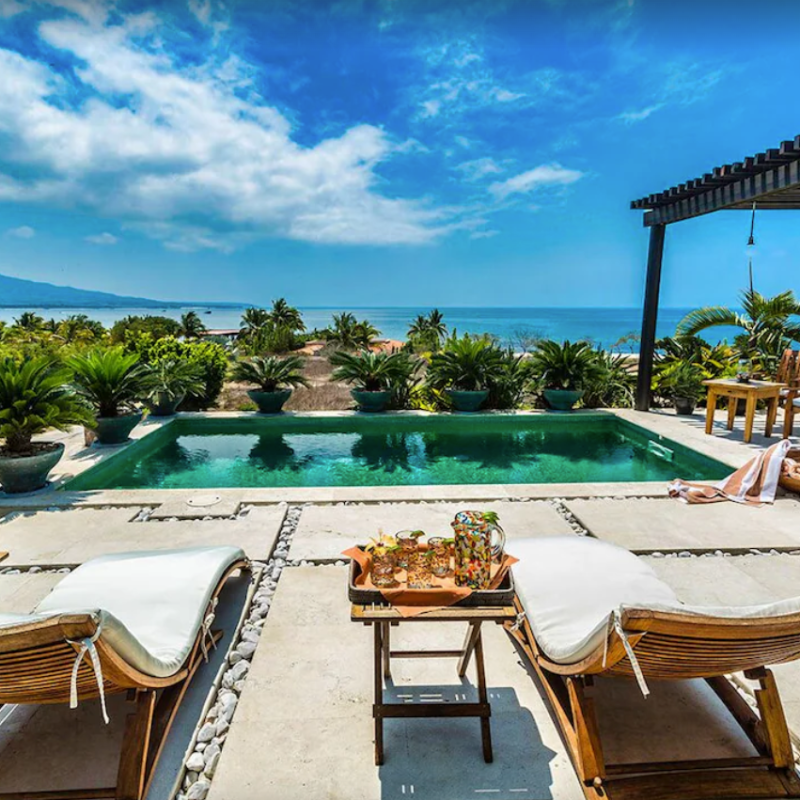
<point>156,326</point>
<point>612,384</point>
<point>467,363</point>
<point>270,373</point>
<point>769,325</point>
<point>170,379</point>
<point>36,394</point>
<point>427,332</point>
<point>191,326</point>
<point>347,333</point>
<point>685,380</point>
<point>110,380</point>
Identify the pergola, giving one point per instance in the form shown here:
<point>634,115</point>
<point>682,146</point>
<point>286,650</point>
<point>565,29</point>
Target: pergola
<point>767,180</point>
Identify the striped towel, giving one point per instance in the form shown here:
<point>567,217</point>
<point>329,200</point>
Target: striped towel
<point>754,483</point>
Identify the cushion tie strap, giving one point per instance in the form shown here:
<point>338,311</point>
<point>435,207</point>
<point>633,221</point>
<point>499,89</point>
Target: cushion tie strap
<point>518,621</point>
<point>87,646</point>
<point>208,621</point>
<point>637,670</point>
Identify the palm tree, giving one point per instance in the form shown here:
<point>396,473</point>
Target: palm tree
<point>29,321</point>
<point>436,324</point>
<point>282,315</point>
<point>345,332</point>
<point>426,332</point>
<point>253,320</point>
<point>192,326</point>
<point>766,324</point>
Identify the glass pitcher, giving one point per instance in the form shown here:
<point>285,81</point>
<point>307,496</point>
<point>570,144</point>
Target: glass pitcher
<point>478,540</point>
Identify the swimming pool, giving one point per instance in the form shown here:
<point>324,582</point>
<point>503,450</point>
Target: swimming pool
<point>395,450</point>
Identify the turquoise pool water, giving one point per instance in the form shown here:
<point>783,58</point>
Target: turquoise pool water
<point>395,450</point>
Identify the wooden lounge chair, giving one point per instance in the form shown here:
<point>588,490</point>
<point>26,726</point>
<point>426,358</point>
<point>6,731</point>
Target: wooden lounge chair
<point>594,609</point>
<point>131,622</point>
<point>789,373</point>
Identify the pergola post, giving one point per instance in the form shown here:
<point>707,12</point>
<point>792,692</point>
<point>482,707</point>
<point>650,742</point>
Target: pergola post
<point>649,317</point>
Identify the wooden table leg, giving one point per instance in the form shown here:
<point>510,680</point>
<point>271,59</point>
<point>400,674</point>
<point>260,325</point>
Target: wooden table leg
<point>473,634</point>
<point>378,633</point>
<point>733,402</point>
<point>772,415</point>
<point>711,405</point>
<point>483,696</point>
<point>387,665</point>
<point>749,417</point>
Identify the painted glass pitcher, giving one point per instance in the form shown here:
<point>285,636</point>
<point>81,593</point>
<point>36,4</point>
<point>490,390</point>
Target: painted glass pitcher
<point>478,538</point>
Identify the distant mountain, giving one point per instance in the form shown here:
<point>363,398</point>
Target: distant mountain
<point>19,293</point>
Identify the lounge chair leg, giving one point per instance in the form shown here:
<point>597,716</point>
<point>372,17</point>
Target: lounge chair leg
<point>132,773</point>
<point>776,731</point>
<point>587,735</point>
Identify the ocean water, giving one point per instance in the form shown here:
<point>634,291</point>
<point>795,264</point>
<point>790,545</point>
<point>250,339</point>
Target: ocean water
<point>602,326</point>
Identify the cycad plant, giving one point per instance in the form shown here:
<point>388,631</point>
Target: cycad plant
<point>166,382</point>
<point>111,380</point>
<point>566,366</point>
<point>767,325</point>
<point>372,372</point>
<point>467,364</point>
<point>36,394</point>
<point>271,374</point>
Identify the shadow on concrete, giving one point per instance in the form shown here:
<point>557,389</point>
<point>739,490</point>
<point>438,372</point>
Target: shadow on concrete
<point>441,759</point>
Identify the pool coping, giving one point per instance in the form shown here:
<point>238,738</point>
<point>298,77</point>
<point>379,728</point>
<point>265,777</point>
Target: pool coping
<point>79,459</point>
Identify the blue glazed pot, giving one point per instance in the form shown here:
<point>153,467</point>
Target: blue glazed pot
<point>116,430</point>
<point>28,473</point>
<point>467,401</point>
<point>269,402</point>
<point>562,399</point>
<point>162,406</point>
<point>371,401</point>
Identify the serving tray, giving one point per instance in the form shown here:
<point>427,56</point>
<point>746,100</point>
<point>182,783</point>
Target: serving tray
<point>503,595</point>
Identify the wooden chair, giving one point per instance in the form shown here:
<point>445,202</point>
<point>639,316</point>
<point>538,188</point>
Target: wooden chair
<point>678,647</point>
<point>37,657</point>
<point>789,373</point>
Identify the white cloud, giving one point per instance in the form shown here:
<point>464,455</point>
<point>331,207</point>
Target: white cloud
<point>545,175</point>
<point>191,155</point>
<point>631,117</point>
<point>22,232</point>
<point>102,239</point>
<point>10,8</point>
<point>479,168</point>
<point>483,234</point>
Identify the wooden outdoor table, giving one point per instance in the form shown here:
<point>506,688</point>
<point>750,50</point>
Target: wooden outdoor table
<point>382,617</point>
<point>751,392</point>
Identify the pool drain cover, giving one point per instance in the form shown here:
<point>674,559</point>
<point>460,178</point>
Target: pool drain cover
<point>203,500</point>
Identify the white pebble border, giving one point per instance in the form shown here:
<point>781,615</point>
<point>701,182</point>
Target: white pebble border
<point>201,764</point>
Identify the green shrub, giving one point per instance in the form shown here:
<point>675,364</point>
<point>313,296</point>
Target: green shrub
<point>110,380</point>
<point>467,363</point>
<point>168,380</point>
<point>270,373</point>
<point>612,386</point>
<point>211,357</point>
<point>567,365</point>
<point>157,327</point>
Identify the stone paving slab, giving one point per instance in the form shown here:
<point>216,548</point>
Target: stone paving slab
<point>42,747</point>
<point>74,536</point>
<point>741,580</point>
<point>198,506</point>
<point>646,525</point>
<point>20,594</point>
<point>324,531</point>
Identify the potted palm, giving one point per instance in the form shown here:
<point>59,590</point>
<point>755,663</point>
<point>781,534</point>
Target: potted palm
<point>35,394</point>
<point>466,370</point>
<point>685,384</point>
<point>375,377</point>
<point>111,381</point>
<point>167,382</point>
<point>563,370</point>
<point>275,378</point>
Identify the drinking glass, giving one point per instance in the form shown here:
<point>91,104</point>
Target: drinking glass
<point>419,571</point>
<point>383,566</point>
<point>408,545</point>
<point>440,558</point>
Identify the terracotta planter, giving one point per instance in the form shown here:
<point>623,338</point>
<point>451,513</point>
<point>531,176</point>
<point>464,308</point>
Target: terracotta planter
<point>116,430</point>
<point>467,401</point>
<point>28,473</point>
<point>269,402</point>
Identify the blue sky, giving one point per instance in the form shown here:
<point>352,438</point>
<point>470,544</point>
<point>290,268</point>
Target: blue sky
<point>386,153</point>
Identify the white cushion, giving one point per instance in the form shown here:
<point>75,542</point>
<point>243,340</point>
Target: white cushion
<point>570,586</point>
<point>151,604</point>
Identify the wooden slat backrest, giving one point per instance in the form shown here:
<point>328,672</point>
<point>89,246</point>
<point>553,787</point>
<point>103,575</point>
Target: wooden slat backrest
<point>789,368</point>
